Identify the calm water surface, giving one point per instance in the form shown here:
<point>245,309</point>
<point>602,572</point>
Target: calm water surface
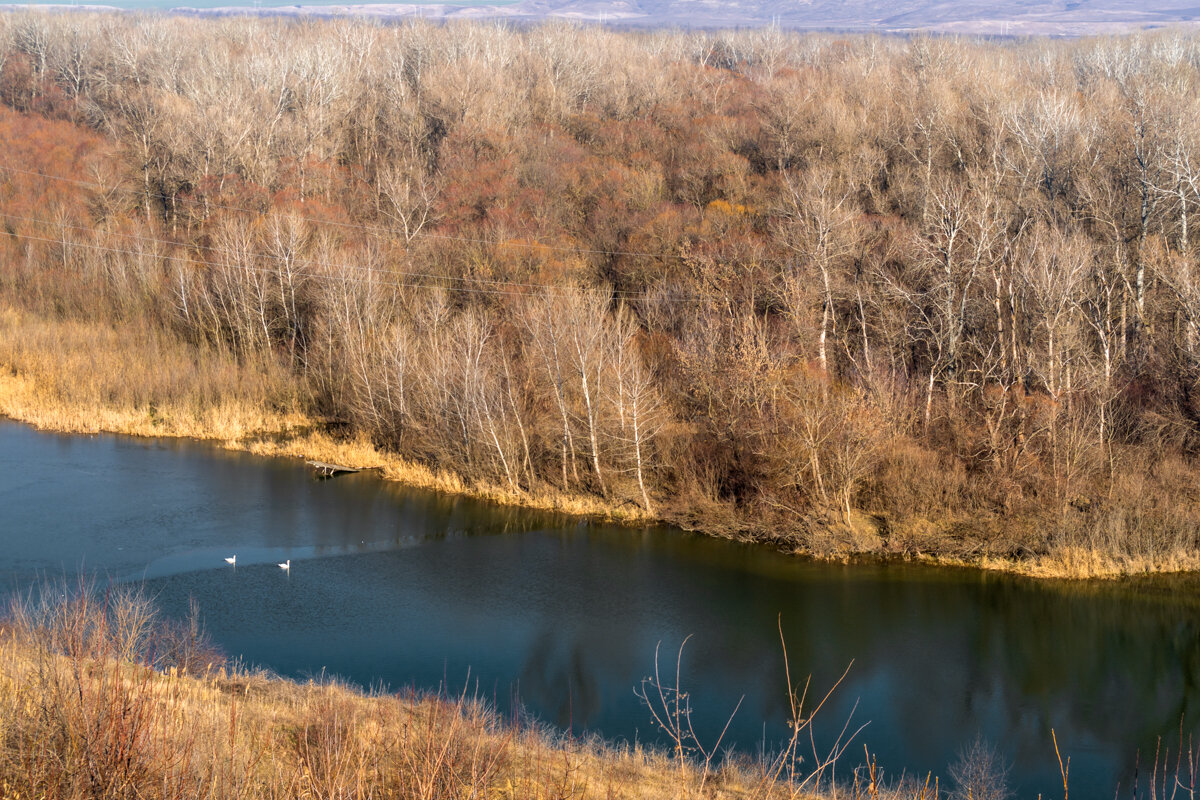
<point>405,588</point>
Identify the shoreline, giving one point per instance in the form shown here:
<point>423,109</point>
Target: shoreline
<point>285,434</point>
<point>293,434</point>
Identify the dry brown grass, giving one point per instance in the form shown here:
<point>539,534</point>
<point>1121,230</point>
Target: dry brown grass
<point>83,377</point>
<point>1082,563</point>
<point>1074,563</point>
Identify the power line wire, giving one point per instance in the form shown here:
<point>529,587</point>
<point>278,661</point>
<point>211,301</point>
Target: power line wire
<point>356,226</point>
<point>327,276</point>
<point>621,294</point>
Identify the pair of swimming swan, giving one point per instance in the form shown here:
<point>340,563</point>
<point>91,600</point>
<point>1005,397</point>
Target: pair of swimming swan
<point>286,566</point>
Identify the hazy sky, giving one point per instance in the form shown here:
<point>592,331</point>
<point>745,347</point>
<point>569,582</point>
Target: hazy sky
<point>146,4</point>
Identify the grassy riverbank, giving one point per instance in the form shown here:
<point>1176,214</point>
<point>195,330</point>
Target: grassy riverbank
<point>87,378</point>
<point>99,698</point>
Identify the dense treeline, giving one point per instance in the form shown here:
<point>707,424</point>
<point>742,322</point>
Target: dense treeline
<point>909,295</point>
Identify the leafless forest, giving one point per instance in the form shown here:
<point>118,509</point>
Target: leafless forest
<point>905,295</point>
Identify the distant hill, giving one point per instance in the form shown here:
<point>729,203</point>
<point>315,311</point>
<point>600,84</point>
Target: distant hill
<point>1011,17</point>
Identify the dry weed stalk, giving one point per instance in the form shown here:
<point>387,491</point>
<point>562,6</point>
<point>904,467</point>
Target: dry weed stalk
<point>1181,781</point>
<point>671,709</point>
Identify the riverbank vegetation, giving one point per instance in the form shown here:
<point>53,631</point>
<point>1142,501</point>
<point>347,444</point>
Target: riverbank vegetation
<point>922,297</point>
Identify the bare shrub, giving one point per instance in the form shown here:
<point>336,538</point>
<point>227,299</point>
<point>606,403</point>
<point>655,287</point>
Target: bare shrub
<point>979,773</point>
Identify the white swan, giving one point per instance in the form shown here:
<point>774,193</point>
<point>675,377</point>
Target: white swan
<point>285,566</point>
<point>232,560</point>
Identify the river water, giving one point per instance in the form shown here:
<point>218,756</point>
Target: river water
<point>395,588</point>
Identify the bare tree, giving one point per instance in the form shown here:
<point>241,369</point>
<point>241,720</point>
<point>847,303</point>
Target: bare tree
<point>1052,269</point>
<point>640,408</point>
<point>818,219</point>
<point>587,353</point>
<point>286,244</point>
<point>542,318</point>
<point>410,190</point>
